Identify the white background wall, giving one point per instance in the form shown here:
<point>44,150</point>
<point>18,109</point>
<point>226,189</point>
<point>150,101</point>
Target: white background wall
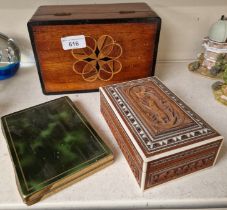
<point>184,23</point>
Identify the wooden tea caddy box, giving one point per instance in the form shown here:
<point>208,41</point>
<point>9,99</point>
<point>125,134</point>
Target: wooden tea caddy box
<point>120,39</point>
<point>159,135</point>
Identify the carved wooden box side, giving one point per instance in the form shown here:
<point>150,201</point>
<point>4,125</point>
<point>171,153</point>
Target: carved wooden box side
<point>120,39</point>
<point>171,139</point>
<point>180,164</point>
<point>131,154</point>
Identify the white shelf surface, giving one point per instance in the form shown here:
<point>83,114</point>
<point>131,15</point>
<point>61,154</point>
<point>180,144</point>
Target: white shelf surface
<point>115,186</point>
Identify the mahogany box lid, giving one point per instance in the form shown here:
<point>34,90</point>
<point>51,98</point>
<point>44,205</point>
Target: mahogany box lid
<point>92,13</point>
<point>156,120</point>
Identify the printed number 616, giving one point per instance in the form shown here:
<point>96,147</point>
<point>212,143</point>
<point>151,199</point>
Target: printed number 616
<point>74,44</point>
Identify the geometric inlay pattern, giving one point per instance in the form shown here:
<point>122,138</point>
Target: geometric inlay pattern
<point>190,127</point>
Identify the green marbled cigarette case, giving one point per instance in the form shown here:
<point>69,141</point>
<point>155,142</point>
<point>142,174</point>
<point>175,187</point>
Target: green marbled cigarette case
<point>51,146</point>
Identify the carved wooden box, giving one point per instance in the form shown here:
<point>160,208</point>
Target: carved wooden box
<point>119,40</point>
<point>159,135</point>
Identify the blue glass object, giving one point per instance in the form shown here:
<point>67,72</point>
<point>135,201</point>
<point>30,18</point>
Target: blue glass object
<point>9,57</point>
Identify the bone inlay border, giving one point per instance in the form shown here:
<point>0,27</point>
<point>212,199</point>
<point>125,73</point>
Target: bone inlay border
<point>160,142</point>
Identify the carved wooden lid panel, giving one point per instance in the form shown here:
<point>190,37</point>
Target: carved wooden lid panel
<point>156,117</point>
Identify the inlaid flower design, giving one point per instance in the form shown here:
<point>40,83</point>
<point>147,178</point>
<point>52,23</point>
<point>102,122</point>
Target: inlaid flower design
<point>99,60</point>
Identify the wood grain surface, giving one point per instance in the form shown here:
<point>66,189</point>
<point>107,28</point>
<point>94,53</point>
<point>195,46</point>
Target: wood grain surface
<point>137,35</point>
<point>56,64</point>
<point>94,11</point>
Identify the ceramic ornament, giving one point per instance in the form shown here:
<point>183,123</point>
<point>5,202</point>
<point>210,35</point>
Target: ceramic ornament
<point>212,62</point>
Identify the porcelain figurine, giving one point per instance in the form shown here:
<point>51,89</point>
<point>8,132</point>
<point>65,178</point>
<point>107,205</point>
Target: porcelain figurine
<point>213,60</point>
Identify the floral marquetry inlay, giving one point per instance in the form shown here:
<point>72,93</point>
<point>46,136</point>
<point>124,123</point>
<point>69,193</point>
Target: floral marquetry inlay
<point>99,59</point>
